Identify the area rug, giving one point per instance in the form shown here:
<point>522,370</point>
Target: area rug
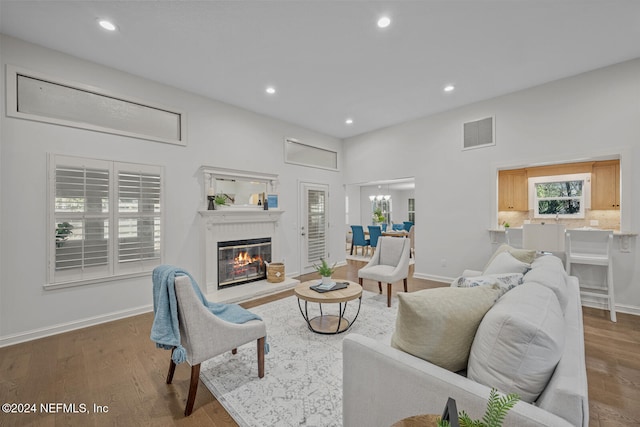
<point>302,385</point>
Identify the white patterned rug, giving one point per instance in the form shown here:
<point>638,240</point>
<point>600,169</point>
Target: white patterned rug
<point>302,385</point>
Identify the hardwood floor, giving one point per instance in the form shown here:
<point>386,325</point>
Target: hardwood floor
<point>115,365</point>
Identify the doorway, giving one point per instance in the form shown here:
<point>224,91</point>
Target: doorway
<point>314,225</point>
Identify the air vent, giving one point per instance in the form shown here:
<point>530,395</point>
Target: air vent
<point>479,133</point>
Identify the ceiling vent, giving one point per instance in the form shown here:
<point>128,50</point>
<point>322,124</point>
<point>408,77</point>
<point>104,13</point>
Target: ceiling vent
<point>479,133</point>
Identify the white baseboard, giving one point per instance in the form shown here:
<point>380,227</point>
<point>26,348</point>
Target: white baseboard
<point>620,308</point>
<point>71,326</point>
<point>433,278</point>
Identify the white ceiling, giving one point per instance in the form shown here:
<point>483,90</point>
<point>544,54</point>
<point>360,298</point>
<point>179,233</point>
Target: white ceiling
<point>328,60</point>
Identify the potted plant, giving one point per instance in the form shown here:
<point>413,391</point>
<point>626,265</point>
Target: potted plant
<point>497,408</point>
<point>221,199</point>
<point>378,216</point>
<point>63,230</point>
<point>325,271</point>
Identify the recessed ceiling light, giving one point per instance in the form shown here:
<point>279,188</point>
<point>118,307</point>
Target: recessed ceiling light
<point>107,25</point>
<point>349,121</point>
<point>384,22</point>
<point>270,90</point>
<point>449,88</point>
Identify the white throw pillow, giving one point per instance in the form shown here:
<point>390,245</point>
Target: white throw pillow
<point>519,342</point>
<point>504,262</point>
<point>525,255</point>
<point>504,281</point>
<point>439,324</point>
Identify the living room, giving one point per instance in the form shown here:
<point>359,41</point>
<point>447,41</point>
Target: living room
<point>592,115</point>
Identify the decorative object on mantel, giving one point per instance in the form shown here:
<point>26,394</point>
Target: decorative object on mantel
<point>275,272</point>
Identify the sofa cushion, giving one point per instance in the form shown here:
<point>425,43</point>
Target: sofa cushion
<point>504,281</point>
<point>519,342</point>
<point>552,277</point>
<point>525,255</point>
<point>438,325</point>
<point>504,262</point>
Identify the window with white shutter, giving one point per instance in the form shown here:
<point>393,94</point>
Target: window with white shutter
<point>105,219</point>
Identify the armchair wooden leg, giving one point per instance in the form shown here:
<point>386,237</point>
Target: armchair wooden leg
<point>193,388</point>
<point>261,357</point>
<point>234,351</point>
<point>360,279</point>
<point>405,284</point>
<point>388,294</point>
<point>380,286</point>
<point>172,369</point>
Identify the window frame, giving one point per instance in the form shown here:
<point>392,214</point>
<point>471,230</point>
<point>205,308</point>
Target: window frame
<point>114,269</point>
<point>585,198</point>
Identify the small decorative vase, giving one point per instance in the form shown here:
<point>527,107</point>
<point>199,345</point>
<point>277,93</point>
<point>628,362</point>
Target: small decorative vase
<point>326,280</point>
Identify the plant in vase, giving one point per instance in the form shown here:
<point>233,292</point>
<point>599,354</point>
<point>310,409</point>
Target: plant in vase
<point>497,408</point>
<point>221,199</point>
<point>378,216</point>
<point>325,271</point>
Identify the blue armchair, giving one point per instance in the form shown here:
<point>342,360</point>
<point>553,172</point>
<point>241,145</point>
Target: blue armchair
<point>358,239</point>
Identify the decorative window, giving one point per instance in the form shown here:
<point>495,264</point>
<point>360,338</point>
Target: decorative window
<point>298,153</point>
<point>35,96</point>
<point>412,210</point>
<point>560,196</point>
<point>106,220</point>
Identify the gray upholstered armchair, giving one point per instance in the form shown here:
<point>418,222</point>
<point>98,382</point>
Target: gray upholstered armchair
<point>205,335</point>
<point>389,264</point>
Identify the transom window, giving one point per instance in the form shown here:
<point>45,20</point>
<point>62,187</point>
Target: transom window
<point>106,219</point>
<point>560,196</point>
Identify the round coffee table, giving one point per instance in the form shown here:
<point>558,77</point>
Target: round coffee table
<point>327,323</point>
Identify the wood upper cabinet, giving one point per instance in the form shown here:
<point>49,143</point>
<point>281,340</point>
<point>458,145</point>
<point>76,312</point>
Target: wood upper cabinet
<point>513,190</point>
<point>605,185</point>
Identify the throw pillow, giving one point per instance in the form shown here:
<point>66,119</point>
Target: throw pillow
<point>504,281</point>
<point>504,262</point>
<point>438,325</point>
<point>519,342</point>
<point>524,255</point>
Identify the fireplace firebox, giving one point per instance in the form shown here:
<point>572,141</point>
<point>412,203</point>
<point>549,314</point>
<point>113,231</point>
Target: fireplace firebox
<point>243,261</point>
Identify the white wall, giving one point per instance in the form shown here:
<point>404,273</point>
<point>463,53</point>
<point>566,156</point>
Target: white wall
<point>592,114</point>
<point>218,135</point>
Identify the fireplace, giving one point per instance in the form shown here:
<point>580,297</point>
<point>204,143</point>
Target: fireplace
<point>242,261</point>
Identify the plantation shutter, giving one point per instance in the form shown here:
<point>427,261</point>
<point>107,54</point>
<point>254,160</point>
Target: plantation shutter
<point>81,211</point>
<point>104,220</point>
<point>138,217</point>
<point>316,225</point>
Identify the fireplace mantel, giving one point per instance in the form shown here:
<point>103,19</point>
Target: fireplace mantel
<point>235,215</point>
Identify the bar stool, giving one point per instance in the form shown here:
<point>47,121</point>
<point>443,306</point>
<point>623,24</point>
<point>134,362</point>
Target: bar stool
<point>513,237</point>
<point>593,247</point>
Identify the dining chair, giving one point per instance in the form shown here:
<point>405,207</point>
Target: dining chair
<point>358,239</point>
<point>389,264</point>
<point>407,225</point>
<point>397,227</point>
<point>374,234</point>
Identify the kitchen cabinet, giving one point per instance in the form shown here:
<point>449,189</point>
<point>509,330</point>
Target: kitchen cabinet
<point>513,190</point>
<point>605,185</point>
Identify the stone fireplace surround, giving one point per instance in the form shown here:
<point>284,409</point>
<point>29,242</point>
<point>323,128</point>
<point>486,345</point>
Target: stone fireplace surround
<point>238,224</point>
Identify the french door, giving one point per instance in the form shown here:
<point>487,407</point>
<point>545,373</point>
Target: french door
<point>314,225</point>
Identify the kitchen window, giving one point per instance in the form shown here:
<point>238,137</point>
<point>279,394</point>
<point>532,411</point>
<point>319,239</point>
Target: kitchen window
<point>560,196</point>
<point>105,220</point>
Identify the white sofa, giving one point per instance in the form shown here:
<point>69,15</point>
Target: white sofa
<point>382,385</point>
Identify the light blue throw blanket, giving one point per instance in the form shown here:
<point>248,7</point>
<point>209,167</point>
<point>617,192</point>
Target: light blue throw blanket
<point>165,330</point>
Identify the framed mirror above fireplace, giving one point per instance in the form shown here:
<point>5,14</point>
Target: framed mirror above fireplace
<point>241,189</point>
